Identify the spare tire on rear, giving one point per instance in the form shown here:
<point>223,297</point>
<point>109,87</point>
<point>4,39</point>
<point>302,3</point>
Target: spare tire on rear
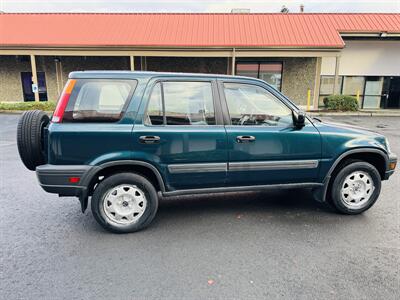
<point>30,138</point>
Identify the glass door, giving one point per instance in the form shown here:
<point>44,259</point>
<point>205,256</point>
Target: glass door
<point>391,92</point>
<point>373,92</point>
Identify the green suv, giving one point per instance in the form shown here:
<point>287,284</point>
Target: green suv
<point>124,138</point>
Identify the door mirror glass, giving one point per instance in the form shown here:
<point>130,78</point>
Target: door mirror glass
<point>299,119</point>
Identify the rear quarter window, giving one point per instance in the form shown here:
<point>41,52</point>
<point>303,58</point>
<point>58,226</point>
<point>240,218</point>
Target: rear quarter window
<point>99,100</point>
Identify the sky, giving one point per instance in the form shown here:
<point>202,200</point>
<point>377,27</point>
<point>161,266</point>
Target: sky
<point>197,6</point>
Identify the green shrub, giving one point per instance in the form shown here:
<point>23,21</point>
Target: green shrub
<point>46,106</point>
<point>341,102</point>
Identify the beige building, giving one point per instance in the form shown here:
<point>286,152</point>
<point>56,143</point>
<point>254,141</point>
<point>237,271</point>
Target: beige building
<point>306,56</point>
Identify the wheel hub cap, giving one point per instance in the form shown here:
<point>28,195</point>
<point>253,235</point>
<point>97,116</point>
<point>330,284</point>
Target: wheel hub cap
<point>357,188</point>
<point>124,204</point>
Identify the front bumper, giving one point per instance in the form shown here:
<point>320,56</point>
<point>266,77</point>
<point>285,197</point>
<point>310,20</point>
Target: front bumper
<point>392,162</point>
<point>57,179</point>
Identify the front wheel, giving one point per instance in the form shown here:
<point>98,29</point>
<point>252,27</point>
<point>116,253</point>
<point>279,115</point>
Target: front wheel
<point>356,188</point>
<point>124,202</point>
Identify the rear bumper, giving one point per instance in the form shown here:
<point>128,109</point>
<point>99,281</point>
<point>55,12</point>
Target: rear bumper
<point>56,179</point>
<point>389,171</point>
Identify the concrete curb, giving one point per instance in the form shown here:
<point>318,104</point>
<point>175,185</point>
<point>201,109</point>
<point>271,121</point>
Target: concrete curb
<point>18,112</point>
<point>354,114</point>
<point>11,112</point>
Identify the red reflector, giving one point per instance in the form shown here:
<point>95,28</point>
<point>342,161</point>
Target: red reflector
<point>73,179</point>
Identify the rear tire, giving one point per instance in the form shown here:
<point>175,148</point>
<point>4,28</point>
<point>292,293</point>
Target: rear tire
<point>124,202</point>
<point>355,188</point>
<point>30,138</point>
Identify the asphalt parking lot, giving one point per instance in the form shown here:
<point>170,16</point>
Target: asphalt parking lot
<point>262,245</point>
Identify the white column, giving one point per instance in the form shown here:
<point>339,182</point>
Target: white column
<point>336,82</point>
<point>317,82</point>
<point>34,76</point>
<point>233,61</point>
<point>132,60</point>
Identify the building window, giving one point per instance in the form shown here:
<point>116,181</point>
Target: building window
<point>327,86</point>
<point>26,79</point>
<point>247,69</point>
<point>270,72</point>
<point>374,91</point>
<point>353,86</point>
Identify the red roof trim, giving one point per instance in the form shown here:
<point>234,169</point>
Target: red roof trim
<point>196,14</point>
<point>174,30</point>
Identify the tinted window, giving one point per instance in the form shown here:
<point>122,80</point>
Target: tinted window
<point>185,103</point>
<point>253,105</point>
<point>154,115</point>
<point>98,100</point>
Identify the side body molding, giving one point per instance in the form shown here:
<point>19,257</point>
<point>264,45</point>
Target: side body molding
<point>243,166</point>
<point>273,165</point>
<point>320,190</point>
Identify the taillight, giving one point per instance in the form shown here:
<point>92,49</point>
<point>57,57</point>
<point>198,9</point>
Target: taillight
<point>63,101</point>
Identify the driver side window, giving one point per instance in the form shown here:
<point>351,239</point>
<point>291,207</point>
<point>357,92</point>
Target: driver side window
<point>252,105</point>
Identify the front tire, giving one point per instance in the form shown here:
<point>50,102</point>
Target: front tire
<point>124,202</point>
<point>355,188</point>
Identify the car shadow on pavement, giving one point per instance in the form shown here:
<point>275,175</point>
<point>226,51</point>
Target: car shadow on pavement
<point>299,199</point>
<point>263,204</point>
<point>291,207</point>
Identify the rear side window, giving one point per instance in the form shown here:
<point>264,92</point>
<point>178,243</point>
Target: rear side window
<point>181,103</point>
<point>99,100</point>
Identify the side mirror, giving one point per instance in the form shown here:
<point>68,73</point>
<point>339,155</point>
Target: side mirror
<point>299,119</point>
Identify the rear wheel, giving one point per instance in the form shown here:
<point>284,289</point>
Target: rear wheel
<point>356,188</point>
<point>30,138</point>
<point>124,202</point>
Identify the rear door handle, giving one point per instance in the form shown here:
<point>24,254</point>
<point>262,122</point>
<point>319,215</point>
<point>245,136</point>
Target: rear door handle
<point>149,139</point>
<point>245,138</point>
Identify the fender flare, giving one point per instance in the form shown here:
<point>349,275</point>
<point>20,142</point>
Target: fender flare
<point>320,193</point>
<point>87,180</point>
<point>103,166</point>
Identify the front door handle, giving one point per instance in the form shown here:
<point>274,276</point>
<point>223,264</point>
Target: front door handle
<point>149,139</point>
<point>245,138</point>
